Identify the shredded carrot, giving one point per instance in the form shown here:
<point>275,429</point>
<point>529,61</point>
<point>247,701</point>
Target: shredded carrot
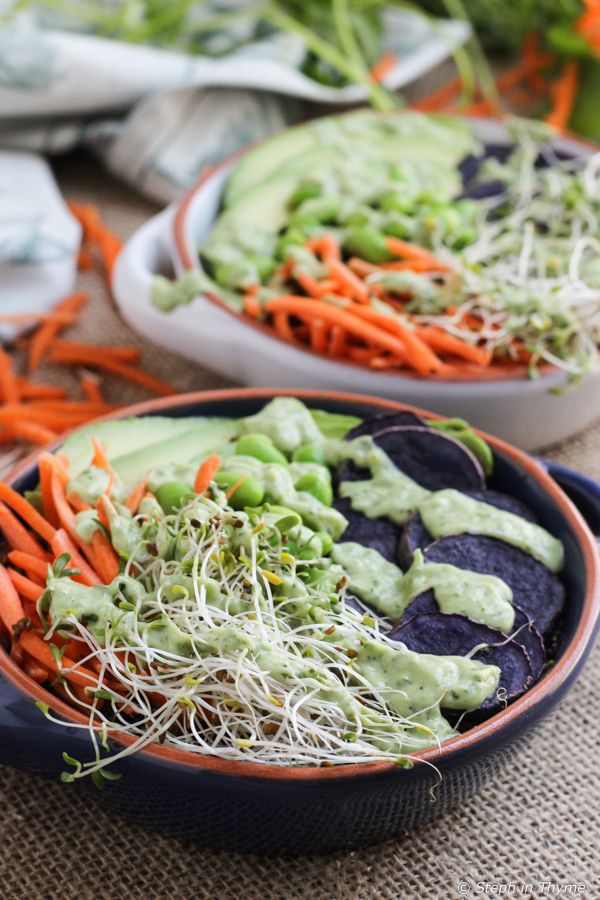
<point>251,306</point>
<point>325,245</point>
<point>30,391</point>
<point>318,335</point>
<point>127,354</point>
<point>564,92</point>
<point>46,467</point>
<point>349,284</point>
<point>206,473</point>
<point>128,372</point>
<point>35,671</point>
<point>27,588</point>
<point>26,511</point>
<point>383,67</point>
<point>136,496</point>
<point>85,260</point>
<point>33,432</point>
<point>61,543</point>
<point>90,387</point>
<point>9,386</point>
<point>447,343</point>
<point>39,649</point>
<point>77,502</point>
<point>439,98</point>
<point>102,513</point>
<point>309,284</point>
<point>100,458</point>
<point>234,487</point>
<point>281,324</point>
<point>31,564</point>
<point>413,349</point>
<point>11,608</point>
<point>408,251</point>
<point>44,337</point>
<point>337,341</point>
<point>106,561</point>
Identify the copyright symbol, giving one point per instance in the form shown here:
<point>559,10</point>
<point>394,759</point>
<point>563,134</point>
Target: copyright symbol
<point>463,887</point>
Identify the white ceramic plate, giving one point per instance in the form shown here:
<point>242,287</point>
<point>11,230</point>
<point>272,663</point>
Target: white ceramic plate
<point>521,411</point>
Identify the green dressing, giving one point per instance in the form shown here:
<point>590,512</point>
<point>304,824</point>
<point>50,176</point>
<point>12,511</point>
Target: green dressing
<point>450,512</point>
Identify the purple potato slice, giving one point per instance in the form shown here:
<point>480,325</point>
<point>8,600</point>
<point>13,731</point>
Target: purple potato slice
<point>536,590</point>
<point>431,458</point>
<point>526,634</point>
<point>523,631</point>
<point>452,635</point>
<point>380,534</point>
<point>414,537</point>
<point>375,424</point>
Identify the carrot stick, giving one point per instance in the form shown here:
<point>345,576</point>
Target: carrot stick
<point>33,317</point>
<point>309,284</point>
<point>443,342</point>
<point>61,543</point>
<point>39,649</point>
<point>415,351</point>
<point>33,432</point>
<point>231,491</point>
<point>352,286</point>
<point>45,335</point>
<point>102,514</point>
<point>46,467</point>
<point>85,261</point>
<point>251,306</point>
<point>422,359</point>
<point>325,245</point>
<point>136,496</point>
<point>106,561</point>
<point>35,671</point>
<point>362,267</point>
<point>11,607</point>
<point>126,354</point>
<point>438,98</point>
<point>28,513</point>
<point>318,335</point>
<point>564,92</point>
<point>17,535</point>
<point>90,386</point>
<point>411,251</point>
<point>337,341</point>
<point>31,564</point>
<point>128,372</point>
<point>206,473</point>
<point>31,391</point>
<point>78,504</point>
<point>281,324</point>
<point>383,67</point>
<point>26,588</point>
<point>9,387</point>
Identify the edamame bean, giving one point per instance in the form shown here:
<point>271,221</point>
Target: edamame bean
<point>318,485</point>
<point>307,191</point>
<point>368,243</point>
<point>172,495</point>
<point>249,493</point>
<point>309,453</point>
<point>325,209</point>
<point>396,202</point>
<point>259,446</point>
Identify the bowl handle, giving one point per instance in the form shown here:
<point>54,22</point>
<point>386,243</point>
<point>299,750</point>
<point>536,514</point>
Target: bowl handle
<point>582,490</point>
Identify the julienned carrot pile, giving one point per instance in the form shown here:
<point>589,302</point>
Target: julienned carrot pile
<point>35,413</point>
<point>354,310</point>
<point>37,540</point>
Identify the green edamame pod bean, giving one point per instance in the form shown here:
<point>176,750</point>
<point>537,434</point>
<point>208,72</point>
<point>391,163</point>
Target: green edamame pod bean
<point>249,493</point>
<point>325,209</point>
<point>326,542</point>
<point>307,191</point>
<point>396,202</point>
<point>172,495</point>
<point>310,453</point>
<point>259,446</point>
<point>368,243</point>
<point>318,485</point>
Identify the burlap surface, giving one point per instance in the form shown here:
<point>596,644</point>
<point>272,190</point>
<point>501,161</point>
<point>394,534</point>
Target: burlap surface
<point>538,822</point>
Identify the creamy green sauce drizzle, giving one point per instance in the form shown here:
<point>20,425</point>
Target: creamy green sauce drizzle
<point>450,512</point>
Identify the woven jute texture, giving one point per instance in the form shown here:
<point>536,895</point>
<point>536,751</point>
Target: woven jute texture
<point>538,822</point>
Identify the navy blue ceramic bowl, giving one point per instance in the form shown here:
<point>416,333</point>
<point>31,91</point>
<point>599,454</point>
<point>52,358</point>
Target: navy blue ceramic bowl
<point>269,809</point>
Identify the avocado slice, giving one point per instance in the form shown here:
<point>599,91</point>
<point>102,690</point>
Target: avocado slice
<point>138,444</point>
<point>395,136</point>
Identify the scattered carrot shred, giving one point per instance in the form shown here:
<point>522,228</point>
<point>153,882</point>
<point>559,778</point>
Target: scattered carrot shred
<point>206,473</point>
